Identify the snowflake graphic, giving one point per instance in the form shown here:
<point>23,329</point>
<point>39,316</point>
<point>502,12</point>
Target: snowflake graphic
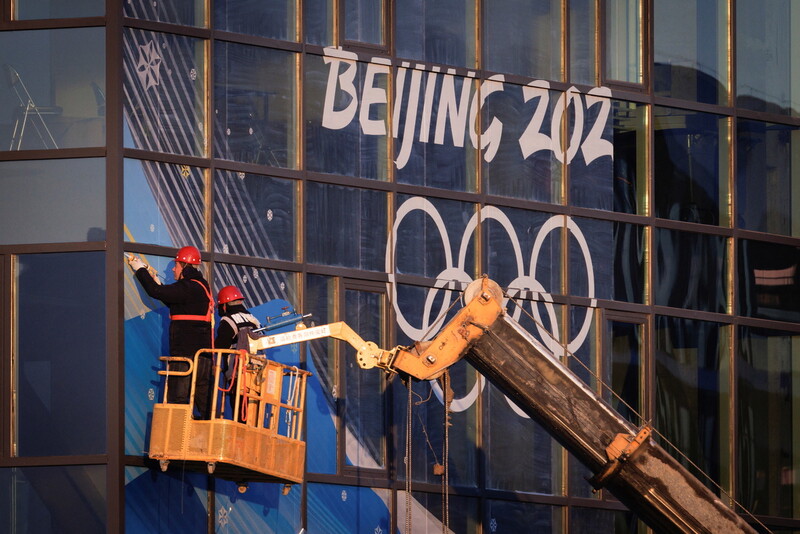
<point>344,495</point>
<point>493,525</point>
<point>378,530</point>
<point>149,66</point>
<point>222,516</point>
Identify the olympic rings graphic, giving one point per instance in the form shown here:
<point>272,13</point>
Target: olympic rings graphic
<point>454,278</point>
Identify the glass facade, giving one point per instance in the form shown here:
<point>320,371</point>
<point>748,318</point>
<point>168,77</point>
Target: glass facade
<point>626,171</point>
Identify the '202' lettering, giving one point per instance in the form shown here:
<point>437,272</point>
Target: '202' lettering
<point>460,113</point>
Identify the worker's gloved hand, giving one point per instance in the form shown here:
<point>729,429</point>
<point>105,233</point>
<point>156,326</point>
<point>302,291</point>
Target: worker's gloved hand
<point>136,264</point>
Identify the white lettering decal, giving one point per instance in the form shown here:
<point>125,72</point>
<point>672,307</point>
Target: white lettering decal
<point>331,118</point>
<point>449,110</point>
<point>373,95</point>
<point>430,87</point>
<point>411,119</point>
<point>594,146</point>
<point>532,139</point>
<point>490,139</point>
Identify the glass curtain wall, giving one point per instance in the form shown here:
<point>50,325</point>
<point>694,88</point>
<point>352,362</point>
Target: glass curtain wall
<point>625,170</point>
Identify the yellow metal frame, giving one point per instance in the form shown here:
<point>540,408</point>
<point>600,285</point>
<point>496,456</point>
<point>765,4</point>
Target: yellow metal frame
<point>266,446</point>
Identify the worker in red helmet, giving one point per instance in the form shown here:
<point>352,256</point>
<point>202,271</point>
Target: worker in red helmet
<point>191,307</point>
<point>234,317</point>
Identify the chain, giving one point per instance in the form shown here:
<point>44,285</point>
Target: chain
<point>408,461</point>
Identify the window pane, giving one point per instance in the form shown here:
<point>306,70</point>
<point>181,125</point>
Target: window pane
<point>436,31</point>
<point>55,9</point>
<point>433,238</point>
<point>769,280</point>
<point>582,46</point>
<point>259,286</point>
<point>186,12</point>
<point>530,49</point>
<point>599,520</point>
<point>511,516</point>
<point>608,169</point>
<point>341,136</point>
<point>54,500</point>
<point>47,192</point>
<point>345,227</point>
<point>690,271</point>
<point>691,166</point>
<point>427,513</point>
<point>623,41</point>
<point>692,373</point>
<point>321,401</point>
<point>347,509</point>
<point>60,394</point>
<point>438,152</point>
<point>520,159</point>
<point>319,21</point>
<point>364,418</point>
<point>164,92</point>
<point>275,19</point>
<point>255,215</point>
<point>363,21</point>
<point>523,250</point>
<point>622,369</point>
<point>164,204</point>
<point>767,56</point>
<point>53,95</point>
<point>255,111</point>
<point>691,50</point>
<point>767,177</point>
<point>768,400</point>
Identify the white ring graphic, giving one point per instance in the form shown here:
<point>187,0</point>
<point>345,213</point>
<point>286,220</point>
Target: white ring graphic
<point>453,276</point>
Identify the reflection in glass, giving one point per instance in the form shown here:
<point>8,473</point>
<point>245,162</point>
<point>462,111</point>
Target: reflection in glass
<point>691,50</point>
<point>56,9</point>
<point>436,31</point>
<point>53,89</point>
<point>767,405</point>
<point>336,141</point>
<point>623,41</point>
<point>185,12</point>
<point>769,280</point>
<point>429,237</point>
<point>767,56</point>
<point>614,180</point>
<point>691,166</point>
<point>164,204</point>
<point>690,271</point>
<point>65,292</point>
<point>164,92</point>
<point>767,177</point>
<point>535,172</point>
<point>363,21</point>
<point>622,369</point>
<point>691,411</point>
<point>364,418</point>
<point>44,194</point>
<point>255,107</point>
<point>275,19</point>
<point>531,49</point>
<point>583,356</point>
<point>54,500</point>
<point>345,227</point>
<point>255,215</point>
<point>438,152</point>
<point>582,45</point>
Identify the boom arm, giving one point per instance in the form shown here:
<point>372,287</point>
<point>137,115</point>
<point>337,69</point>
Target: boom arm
<point>622,457</point>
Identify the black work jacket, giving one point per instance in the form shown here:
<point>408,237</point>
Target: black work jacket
<point>184,297</point>
<point>226,333</point>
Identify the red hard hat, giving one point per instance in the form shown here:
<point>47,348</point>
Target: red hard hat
<point>188,255</point>
<point>229,293</point>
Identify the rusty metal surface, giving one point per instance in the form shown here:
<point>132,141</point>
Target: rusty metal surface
<point>651,482</point>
